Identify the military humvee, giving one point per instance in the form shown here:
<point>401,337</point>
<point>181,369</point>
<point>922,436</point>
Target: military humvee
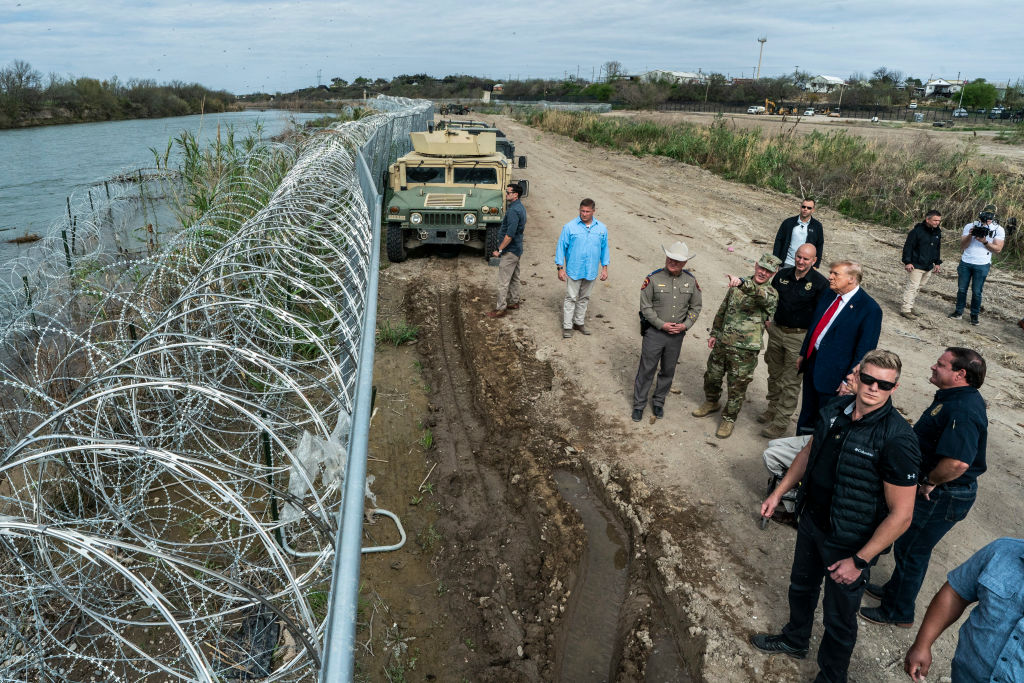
<point>449,190</point>
<point>503,144</point>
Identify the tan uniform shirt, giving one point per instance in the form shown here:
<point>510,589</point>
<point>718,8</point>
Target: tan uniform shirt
<point>668,299</point>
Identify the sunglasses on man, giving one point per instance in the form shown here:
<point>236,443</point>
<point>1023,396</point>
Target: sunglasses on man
<point>867,380</point>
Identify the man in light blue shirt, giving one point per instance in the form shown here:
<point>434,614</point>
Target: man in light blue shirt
<point>990,644</point>
<point>581,258</point>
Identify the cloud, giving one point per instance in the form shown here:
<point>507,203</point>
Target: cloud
<point>241,45</point>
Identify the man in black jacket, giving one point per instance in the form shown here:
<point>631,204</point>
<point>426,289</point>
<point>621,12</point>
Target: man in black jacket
<point>858,478</point>
<point>921,258</point>
<point>798,230</point>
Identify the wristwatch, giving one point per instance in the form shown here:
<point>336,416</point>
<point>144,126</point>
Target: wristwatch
<point>859,562</point>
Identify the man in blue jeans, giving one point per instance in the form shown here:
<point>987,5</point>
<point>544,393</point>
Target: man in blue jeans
<point>952,435</point>
<point>979,240</point>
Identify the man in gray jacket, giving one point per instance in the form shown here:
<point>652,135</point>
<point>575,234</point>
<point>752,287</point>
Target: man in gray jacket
<point>510,250</point>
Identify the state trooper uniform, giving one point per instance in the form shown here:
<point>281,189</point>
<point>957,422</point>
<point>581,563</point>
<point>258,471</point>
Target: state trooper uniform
<point>664,298</point>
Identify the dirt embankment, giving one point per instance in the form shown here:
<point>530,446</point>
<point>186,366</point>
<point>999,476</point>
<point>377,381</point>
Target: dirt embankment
<point>510,402</point>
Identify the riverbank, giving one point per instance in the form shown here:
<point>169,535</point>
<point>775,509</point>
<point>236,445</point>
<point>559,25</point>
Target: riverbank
<point>61,117</point>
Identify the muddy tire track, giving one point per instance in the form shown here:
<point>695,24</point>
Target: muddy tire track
<point>508,543</point>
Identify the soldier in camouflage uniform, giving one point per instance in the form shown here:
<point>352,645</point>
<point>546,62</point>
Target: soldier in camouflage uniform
<point>735,340</point>
<point>670,301</point>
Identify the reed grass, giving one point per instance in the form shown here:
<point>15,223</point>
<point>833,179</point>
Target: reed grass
<point>885,182</point>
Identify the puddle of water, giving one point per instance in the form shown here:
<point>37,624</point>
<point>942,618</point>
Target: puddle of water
<point>664,665</point>
<point>591,642</point>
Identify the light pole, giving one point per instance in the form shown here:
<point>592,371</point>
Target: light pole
<point>761,40</point>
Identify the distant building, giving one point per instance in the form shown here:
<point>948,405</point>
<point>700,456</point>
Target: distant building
<point>824,84</point>
<point>681,77</point>
<point>939,87</point>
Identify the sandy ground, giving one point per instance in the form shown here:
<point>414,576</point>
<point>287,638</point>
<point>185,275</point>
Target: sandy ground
<point>650,202</point>
<point>889,131</point>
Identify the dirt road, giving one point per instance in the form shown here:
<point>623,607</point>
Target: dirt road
<point>687,499</point>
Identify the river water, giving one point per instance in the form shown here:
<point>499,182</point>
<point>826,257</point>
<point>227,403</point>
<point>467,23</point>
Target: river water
<point>40,167</point>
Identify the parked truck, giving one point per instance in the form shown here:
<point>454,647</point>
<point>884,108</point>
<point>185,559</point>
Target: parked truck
<point>449,190</point>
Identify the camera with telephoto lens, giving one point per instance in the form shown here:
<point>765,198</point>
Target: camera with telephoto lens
<point>981,231</point>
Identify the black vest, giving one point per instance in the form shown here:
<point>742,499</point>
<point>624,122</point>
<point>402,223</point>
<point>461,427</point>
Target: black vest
<point>858,500</point>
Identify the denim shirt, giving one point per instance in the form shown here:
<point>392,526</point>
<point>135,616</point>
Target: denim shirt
<point>582,248</point>
<point>991,646</point>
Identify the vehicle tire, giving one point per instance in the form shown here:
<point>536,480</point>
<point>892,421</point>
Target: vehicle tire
<point>395,243</point>
<point>492,240</point>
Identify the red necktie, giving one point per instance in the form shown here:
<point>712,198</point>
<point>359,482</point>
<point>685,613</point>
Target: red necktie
<point>823,323</point>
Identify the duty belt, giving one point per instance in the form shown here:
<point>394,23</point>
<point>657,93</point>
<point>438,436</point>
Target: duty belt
<point>790,330</point>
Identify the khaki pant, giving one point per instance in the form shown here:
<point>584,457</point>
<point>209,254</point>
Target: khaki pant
<point>508,281</point>
<point>779,457</point>
<point>577,297</point>
<point>915,279</point>
<point>783,380</point>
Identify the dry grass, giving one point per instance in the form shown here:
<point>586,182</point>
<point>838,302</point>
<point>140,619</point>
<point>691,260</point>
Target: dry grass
<point>894,184</point>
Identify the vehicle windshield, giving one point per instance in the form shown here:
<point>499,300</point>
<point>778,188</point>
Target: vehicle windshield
<point>424,174</point>
<point>475,176</point>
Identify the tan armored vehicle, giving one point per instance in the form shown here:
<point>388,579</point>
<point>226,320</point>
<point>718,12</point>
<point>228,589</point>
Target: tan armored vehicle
<point>449,190</point>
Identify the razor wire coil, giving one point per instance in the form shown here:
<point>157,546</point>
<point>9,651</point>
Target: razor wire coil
<point>174,425</point>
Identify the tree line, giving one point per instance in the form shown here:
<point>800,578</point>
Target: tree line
<point>884,87</point>
<point>28,99</point>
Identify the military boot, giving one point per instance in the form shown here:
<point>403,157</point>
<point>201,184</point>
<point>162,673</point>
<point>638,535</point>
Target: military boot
<point>725,429</point>
<point>773,431</point>
<point>766,416</point>
<point>706,409</point>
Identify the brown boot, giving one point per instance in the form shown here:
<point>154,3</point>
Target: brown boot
<point>706,409</point>
<point>773,431</point>
<point>496,314</point>
<point>765,417</point>
<point>725,429</point>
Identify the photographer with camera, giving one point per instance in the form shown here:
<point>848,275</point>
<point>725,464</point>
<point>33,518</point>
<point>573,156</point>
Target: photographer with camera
<point>979,241</point>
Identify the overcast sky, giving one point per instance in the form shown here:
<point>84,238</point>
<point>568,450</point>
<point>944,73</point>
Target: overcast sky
<point>245,46</point>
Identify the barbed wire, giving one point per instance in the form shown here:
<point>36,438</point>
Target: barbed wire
<point>175,424</point>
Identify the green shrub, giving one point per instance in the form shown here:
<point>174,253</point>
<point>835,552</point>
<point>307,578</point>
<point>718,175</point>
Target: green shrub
<point>396,333</point>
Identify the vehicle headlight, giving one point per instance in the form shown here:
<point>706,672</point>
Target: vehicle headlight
<point>469,219</point>
<point>416,218</point>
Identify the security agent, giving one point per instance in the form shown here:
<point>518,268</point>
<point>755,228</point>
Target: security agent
<point>670,302</point>
<point>952,434</point>
<point>799,288</point>
<point>857,479</point>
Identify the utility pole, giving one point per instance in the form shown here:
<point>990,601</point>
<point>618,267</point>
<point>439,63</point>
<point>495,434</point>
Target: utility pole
<point>761,40</point>
<point>961,104</point>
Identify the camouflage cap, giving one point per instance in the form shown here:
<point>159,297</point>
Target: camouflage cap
<point>769,261</point>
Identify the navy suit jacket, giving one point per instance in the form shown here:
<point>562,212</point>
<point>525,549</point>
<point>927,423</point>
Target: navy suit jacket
<point>853,333</point>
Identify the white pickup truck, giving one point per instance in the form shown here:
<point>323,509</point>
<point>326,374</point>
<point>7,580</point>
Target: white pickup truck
<point>754,109</point>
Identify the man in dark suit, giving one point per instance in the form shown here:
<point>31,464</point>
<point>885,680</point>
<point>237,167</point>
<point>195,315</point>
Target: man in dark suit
<point>844,328</point>
<point>798,230</point>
